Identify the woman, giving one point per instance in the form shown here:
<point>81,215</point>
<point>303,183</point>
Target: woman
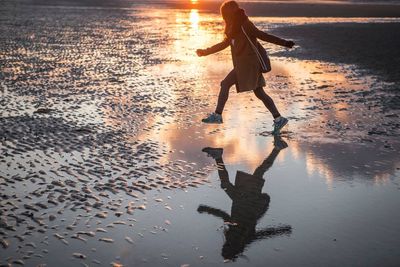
<point>246,74</point>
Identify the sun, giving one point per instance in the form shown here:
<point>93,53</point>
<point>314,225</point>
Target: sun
<point>194,1</point>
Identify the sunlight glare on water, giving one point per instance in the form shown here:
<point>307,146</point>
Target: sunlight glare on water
<point>194,18</point>
<point>314,88</point>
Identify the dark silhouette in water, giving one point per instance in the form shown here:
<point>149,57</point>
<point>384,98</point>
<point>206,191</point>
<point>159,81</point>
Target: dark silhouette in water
<point>249,204</point>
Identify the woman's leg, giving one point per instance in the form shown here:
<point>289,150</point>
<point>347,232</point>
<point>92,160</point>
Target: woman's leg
<point>267,163</point>
<point>268,102</point>
<point>226,84</point>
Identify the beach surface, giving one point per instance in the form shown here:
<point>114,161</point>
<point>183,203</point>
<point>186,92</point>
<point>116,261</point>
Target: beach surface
<point>101,142</point>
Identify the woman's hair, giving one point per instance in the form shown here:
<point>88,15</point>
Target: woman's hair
<point>233,16</point>
<point>228,9</point>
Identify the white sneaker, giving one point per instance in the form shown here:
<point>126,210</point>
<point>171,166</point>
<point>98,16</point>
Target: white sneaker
<point>279,124</point>
<point>213,118</point>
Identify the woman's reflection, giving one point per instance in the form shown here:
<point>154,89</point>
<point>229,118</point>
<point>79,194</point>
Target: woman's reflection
<point>249,204</point>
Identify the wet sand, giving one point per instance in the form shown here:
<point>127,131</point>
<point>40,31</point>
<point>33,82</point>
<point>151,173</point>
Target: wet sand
<point>102,158</point>
<point>371,47</point>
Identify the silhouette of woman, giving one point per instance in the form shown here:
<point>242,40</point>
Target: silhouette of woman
<point>241,35</point>
<point>249,204</point>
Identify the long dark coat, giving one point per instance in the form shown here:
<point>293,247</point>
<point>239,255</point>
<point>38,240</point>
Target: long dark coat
<point>245,61</point>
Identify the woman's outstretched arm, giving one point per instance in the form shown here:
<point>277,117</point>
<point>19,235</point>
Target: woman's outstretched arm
<point>213,49</point>
<point>252,30</point>
<point>214,211</point>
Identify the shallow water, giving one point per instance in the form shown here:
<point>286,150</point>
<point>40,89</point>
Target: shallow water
<point>100,115</point>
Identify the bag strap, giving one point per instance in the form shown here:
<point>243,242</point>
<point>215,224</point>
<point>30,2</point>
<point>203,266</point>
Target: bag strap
<point>263,65</point>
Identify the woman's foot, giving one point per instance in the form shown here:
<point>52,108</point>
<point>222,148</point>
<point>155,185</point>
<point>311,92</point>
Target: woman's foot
<point>279,123</point>
<point>279,143</point>
<point>213,118</point>
<point>215,153</point>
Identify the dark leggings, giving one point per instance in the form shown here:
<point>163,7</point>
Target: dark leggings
<point>230,80</point>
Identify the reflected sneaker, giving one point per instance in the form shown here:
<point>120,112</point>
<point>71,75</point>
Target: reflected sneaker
<point>279,123</point>
<point>279,143</point>
<point>213,118</point>
<point>215,153</point>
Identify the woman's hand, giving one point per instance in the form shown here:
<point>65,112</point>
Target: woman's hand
<point>201,52</point>
<point>289,44</point>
